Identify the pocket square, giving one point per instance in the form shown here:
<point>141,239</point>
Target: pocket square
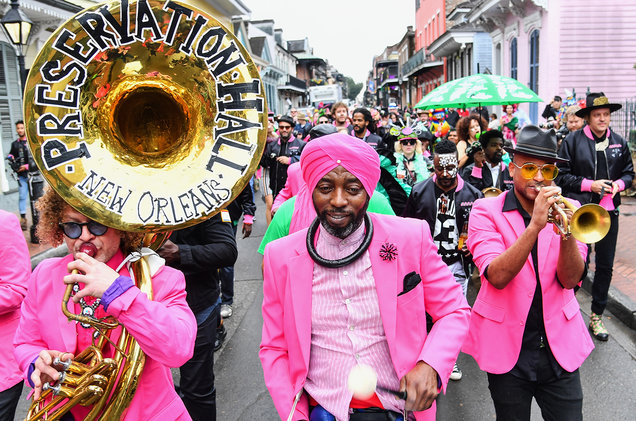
<point>410,281</point>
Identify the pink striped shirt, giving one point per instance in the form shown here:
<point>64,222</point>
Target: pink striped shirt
<point>346,328</point>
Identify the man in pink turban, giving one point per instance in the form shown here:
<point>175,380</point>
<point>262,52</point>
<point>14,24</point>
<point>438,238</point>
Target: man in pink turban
<point>354,289</point>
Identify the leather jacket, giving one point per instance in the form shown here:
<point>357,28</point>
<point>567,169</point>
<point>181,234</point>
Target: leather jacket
<point>579,148</point>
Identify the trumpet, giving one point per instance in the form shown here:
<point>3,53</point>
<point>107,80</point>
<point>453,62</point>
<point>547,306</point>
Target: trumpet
<point>589,223</point>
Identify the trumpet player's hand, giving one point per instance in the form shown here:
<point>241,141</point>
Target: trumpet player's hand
<point>45,370</point>
<point>546,197</point>
<point>95,275</point>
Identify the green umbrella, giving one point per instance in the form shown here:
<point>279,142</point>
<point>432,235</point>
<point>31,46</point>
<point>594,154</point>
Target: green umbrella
<point>477,90</point>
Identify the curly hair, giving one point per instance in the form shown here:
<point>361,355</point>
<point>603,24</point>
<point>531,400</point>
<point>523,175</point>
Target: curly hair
<point>463,125</point>
<point>51,208</point>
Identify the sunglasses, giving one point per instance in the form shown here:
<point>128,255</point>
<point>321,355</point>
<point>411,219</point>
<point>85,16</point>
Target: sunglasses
<point>73,230</point>
<point>284,127</point>
<point>530,170</point>
<point>408,141</point>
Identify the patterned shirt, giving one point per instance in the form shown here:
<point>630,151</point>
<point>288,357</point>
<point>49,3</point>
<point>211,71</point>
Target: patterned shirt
<point>346,328</point>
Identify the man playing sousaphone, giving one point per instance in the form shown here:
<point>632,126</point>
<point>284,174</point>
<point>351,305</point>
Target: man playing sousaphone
<point>164,327</point>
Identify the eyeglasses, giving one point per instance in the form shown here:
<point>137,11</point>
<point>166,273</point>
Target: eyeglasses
<point>284,127</point>
<point>73,230</point>
<point>408,141</point>
<point>530,170</point>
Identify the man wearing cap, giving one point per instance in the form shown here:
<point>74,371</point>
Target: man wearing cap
<point>526,329</point>
<point>597,166</point>
<point>492,172</point>
<point>281,153</point>
<point>354,289</point>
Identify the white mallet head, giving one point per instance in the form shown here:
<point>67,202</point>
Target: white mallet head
<point>362,381</point>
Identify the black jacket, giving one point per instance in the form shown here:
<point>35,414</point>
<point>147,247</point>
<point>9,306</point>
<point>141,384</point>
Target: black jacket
<point>504,181</point>
<point>243,204</point>
<point>21,156</point>
<point>421,202</point>
<point>203,249</point>
<point>278,171</point>
<point>580,151</point>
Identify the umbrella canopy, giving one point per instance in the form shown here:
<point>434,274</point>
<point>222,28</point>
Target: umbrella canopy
<point>478,90</point>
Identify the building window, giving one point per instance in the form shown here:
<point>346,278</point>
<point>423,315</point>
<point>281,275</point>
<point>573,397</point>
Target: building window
<point>534,60</point>
<point>513,58</point>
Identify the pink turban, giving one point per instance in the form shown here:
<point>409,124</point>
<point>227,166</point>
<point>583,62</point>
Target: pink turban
<point>322,155</point>
<point>325,153</point>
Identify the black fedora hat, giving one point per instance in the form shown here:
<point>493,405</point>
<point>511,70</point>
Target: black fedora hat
<point>534,142</point>
<point>597,100</point>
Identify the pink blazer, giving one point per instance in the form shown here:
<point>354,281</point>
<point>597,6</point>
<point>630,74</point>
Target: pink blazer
<point>15,269</point>
<point>288,273</point>
<point>292,185</point>
<point>499,316</point>
<point>165,328</point>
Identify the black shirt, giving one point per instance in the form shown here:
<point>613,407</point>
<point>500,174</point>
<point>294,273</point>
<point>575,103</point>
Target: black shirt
<point>203,249</point>
<point>535,348</point>
<point>445,232</point>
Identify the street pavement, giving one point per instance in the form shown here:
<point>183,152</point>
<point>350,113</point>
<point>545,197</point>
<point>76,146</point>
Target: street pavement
<point>607,375</point>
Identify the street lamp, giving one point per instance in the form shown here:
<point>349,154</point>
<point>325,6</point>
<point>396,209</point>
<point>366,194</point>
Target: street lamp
<point>17,26</point>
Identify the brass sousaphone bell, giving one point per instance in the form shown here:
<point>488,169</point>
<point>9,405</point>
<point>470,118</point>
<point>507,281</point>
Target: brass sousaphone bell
<point>146,116</point>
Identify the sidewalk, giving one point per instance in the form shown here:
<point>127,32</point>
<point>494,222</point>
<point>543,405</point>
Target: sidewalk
<point>622,294</point>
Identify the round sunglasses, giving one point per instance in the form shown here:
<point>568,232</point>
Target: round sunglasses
<point>73,230</point>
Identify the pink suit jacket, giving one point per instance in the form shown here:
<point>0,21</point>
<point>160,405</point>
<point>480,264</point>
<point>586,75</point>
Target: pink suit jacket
<point>165,328</point>
<point>15,270</point>
<point>499,315</point>
<point>288,273</point>
<point>292,185</point>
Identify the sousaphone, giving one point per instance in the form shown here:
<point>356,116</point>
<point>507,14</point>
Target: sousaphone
<point>146,116</point>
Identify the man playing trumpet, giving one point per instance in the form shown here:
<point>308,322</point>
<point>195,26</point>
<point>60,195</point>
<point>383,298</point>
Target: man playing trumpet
<point>164,327</point>
<point>526,329</point>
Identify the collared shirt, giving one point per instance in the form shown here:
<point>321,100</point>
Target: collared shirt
<point>346,328</point>
<point>495,170</point>
<point>534,343</point>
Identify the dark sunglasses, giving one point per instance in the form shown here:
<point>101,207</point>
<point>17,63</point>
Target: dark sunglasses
<point>408,141</point>
<point>73,230</point>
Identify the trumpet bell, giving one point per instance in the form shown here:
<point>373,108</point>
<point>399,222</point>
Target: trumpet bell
<point>590,223</point>
<point>491,192</point>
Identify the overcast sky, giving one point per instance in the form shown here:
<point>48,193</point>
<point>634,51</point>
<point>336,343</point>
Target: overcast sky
<point>348,33</point>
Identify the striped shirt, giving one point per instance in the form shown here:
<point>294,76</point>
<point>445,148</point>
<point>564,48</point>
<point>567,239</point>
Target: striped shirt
<point>346,328</point>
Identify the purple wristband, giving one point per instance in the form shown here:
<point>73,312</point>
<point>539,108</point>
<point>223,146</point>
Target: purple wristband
<point>31,370</point>
<point>117,288</point>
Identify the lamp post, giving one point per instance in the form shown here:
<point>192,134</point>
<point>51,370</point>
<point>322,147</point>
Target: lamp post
<point>17,26</point>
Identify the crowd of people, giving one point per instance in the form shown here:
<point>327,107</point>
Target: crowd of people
<point>376,222</point>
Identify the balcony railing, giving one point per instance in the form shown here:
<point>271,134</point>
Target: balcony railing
<point>417,60</point>
<point>298,83</point>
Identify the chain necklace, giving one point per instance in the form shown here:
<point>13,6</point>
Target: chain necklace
<point>87,309</point>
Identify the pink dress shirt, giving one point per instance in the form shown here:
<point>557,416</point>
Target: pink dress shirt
<point>346,328</point>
